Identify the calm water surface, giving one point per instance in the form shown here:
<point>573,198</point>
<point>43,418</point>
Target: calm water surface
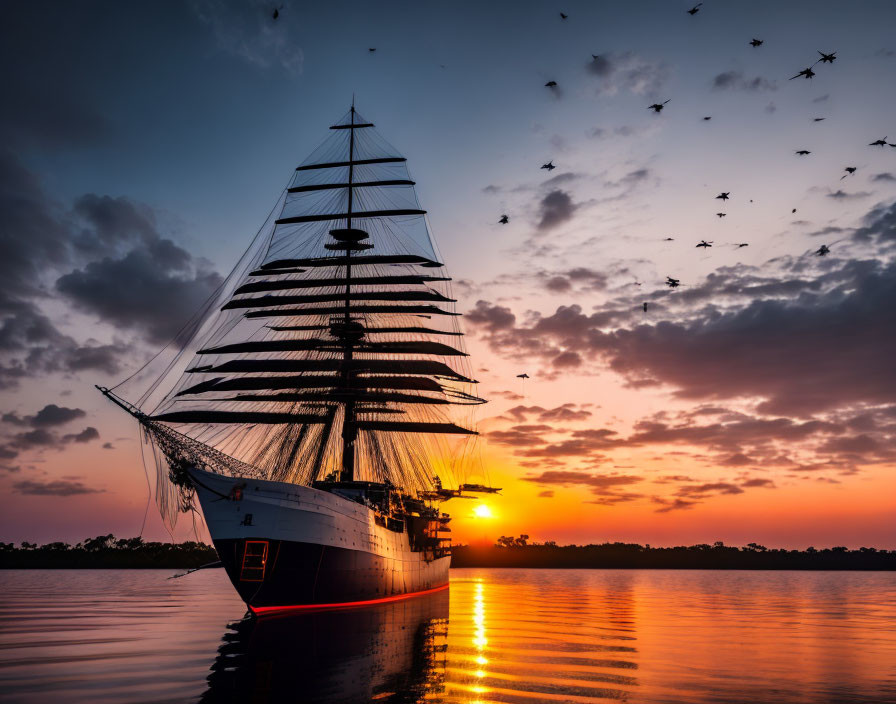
<point>496,636</point>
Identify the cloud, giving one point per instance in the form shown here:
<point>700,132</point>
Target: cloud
<point>676,504</point>
<point>843,195</point>
<point>48,416</point>
<point>248,31</point>
<point>491,317</point>
<point>84,436</point>
<point>759,482</point>
<point>555,209</point>
<point>58,487</point>
<point>627,71</point>
<point>708,488</point>
<point>564,281</point>
<point>885,176</point>
<point>735,80</point>
<point>799,345</point>
<point>821,98</point>
<point>546,494</point>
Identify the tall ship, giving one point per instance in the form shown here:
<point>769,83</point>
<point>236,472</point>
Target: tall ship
<point>319,410</point>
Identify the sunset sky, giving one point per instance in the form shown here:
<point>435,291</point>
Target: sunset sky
<point>143,144</point>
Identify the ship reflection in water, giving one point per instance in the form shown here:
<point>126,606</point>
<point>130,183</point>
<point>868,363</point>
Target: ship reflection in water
<point>498,635</point>
<point>391,652</point>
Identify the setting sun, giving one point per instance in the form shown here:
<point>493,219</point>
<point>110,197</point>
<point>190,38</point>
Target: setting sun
<point>483,511</point>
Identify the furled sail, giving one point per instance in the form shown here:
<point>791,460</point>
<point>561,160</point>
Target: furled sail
<point>333,349</point>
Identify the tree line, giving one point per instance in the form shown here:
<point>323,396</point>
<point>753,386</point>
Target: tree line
<point>106,551</point>
<point>509,551</point>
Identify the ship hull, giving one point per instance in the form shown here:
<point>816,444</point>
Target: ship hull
<point>286,545</point>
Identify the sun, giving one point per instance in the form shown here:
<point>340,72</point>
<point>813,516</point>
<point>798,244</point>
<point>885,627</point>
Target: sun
<point>482,511</point>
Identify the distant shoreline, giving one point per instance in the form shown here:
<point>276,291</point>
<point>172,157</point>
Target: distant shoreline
<point>107,552</point>
<point>697,557</point>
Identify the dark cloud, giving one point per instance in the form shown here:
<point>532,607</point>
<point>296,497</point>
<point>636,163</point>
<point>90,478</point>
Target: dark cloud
<point>702,490</point>
<point>840,194</point>
<point>821,98</point>
<point>758,482</point>
<point>800,345</point>
<point>492,318</point>
<point>627,72</point>
<point>85,435</point>
<point>491,189</point>
<point>149,288</point>
<point>546,494</point>
<point>555,209</point>
<point>57,487</point>
<point>564,281</point>
<point>51,415</point>
<point>885,176</point>
<point>735,80</point>
<point>676,504</point>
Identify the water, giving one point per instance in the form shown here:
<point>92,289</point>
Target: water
<point>497,636</point>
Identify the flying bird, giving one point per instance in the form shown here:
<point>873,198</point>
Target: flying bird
<point>550,84</point>
<point>793,211</point>
<point>704,244</point>
<point>756,42</point>
<point>372,49</point>
<point>708,117</point>
<point>672,283</point>
<point>276,13</point>
<point>657,107</point>
<point>807,72</point>
<point>721,215</point>
<point>522,376</point>
<point>827,58</point>
<point>849,171</point>
<point>723,196</point>
<point>802,152</point>
<point>562,16</point>
<point>644,306</point>
<point>879,143</point>
<point>695,9</point>
<point>742,244</point>
<point>504,220</point>
<point>821,251</point>
<point>549,166</point>
<point>669,239</point>
<point>817,119</point>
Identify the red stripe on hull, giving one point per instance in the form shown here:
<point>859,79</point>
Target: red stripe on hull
<point>262,610</point>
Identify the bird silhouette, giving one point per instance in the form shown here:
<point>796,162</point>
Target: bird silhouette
<point>522,376</point>
<point>276,13</point>
<point>644,306</point>
<point>708,117</point>
<point>657,107</point>
<point>821,251</point>
<point>669,239</point>
<point>563,17</point>
<point>372,49</point>
<point>742,244</point>
<point>802,152</point>
<point>807,72</point>
<point>827,58</point>
<point>672,283</point>
<point>721,215</point>
<point>793,211</point>
<point>695,9</point>
<point>723,196</point>
<point>504,220</point>
<point>550,84</point>
<point>849,171</point>
<point>818,119</point>
<point>879,143</point>
<point>549,166</point>
<point>704,244</point>
<point>756,42</point>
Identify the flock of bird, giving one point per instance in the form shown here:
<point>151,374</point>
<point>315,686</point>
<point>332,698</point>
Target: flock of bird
<point>808,73</point>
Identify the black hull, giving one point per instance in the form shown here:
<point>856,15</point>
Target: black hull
<point>310,574</point>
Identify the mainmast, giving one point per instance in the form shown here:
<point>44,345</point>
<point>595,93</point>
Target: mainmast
<point>355,350</point>
<point>349,428</point>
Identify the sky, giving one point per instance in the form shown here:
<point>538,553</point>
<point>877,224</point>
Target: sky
<point>142,145</point>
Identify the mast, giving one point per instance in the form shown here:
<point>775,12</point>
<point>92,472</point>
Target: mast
<point>347,341</point>
<point>349,429</point>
